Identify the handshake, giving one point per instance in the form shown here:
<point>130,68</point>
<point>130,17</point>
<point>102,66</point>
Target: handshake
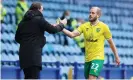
<point>64,22</point>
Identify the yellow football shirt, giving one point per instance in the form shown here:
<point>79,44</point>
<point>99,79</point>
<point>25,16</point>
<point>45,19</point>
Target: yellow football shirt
<point>94,37</point>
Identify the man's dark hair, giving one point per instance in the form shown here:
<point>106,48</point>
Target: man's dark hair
<point>35,6</point>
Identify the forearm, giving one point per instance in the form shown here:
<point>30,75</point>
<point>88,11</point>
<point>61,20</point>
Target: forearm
<point>52,28</point>
<point>113,48</point>
<point>59,27</point>
<point>68,33</point>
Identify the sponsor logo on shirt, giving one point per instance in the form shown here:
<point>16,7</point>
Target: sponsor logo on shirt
<point>91,40</point>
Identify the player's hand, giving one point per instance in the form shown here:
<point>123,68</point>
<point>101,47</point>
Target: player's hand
<point>54,24</point>
<point>64,21</point>
<point>117,60</point>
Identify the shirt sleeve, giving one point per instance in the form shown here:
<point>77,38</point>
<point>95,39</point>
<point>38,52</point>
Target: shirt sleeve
<point>80,29</point>
<point>107,32</point>
<point>50,28</point>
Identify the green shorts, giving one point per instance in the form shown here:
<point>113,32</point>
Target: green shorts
<point>93,68</point>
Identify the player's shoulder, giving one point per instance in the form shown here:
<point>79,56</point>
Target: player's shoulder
<point>103,24</point>
<point>85,24</point>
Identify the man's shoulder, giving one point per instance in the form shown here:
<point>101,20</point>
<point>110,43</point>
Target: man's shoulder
<point>103,24</point>
<point>86,24</point>
<point>38,17</point>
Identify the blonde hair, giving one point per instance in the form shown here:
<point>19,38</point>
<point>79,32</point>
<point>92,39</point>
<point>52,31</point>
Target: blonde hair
<point>99,11</point>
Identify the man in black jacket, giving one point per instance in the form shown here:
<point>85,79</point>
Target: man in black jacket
<point>30,36</point>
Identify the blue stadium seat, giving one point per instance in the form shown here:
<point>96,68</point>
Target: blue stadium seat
<point>127,27</point>
<point>14,21</point>
<point>48,14</point>
<point>9,47</point>
<point>15,47</point>
<point>50,38</point>
<point>5,36</point>
<point>5,57</point>
<point>16,57</point>
<point>11,28</point>
<point>4,47</point>
<point>71,41</point>
<point>12,36</point>
<point>45,58</point>
<point>12,57</point>
<point>10,72</point>
<point>4,26</point>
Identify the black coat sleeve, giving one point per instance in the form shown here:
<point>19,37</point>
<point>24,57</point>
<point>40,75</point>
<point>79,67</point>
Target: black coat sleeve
<point>50,28</point>
<point>17,35</point>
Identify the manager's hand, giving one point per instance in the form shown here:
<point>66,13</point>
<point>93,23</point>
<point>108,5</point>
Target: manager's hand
<point>64,21</point>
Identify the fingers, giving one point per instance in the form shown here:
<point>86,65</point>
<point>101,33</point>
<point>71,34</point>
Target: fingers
<point>64,21</point>
<point>54,24</point>
<point>117,62</point>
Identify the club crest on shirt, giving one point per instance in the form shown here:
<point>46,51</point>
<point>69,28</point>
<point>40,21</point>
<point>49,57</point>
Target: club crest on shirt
<point>87,29</point>
<point>98,29</point>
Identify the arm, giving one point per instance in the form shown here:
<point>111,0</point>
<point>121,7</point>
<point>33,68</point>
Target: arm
<point>52,28</point>
<point>71,34</point>
<point>113,48</point>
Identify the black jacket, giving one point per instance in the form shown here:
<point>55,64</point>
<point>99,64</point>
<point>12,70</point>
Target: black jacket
<point>30,36</point>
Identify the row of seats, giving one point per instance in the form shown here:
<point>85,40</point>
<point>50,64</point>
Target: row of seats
<point>108,4</point>
<point>59,41</point>
<point>13,47</point>
<point>80,9</point>
<point>9,37</point>
<point>62,49</point>
<point>121,4</point>
<point>10,18</point>
<point>113,26</point>
<point>125,28</point>
<point>11,59</point>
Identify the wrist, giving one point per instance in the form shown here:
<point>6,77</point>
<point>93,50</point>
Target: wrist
<point>62,26</point>
<point>117,57</point>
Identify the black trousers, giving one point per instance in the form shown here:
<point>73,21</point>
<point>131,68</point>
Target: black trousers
<point>32,72</point>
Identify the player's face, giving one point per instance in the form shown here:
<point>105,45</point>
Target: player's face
<point>93,15</point>
<point>41,10</point>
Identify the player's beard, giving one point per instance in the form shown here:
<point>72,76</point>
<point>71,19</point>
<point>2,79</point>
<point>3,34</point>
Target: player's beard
<point>93,19</point>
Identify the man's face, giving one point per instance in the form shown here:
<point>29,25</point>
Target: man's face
<point>41,10</point>
<point>67,13</point>
<point>93,15</point>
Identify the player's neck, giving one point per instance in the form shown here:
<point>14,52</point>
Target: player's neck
<point>94,23</point>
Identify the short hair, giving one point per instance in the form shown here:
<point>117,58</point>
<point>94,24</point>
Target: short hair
<point>65,12</point>
<point>99,11</point>
<point>35,6</point>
